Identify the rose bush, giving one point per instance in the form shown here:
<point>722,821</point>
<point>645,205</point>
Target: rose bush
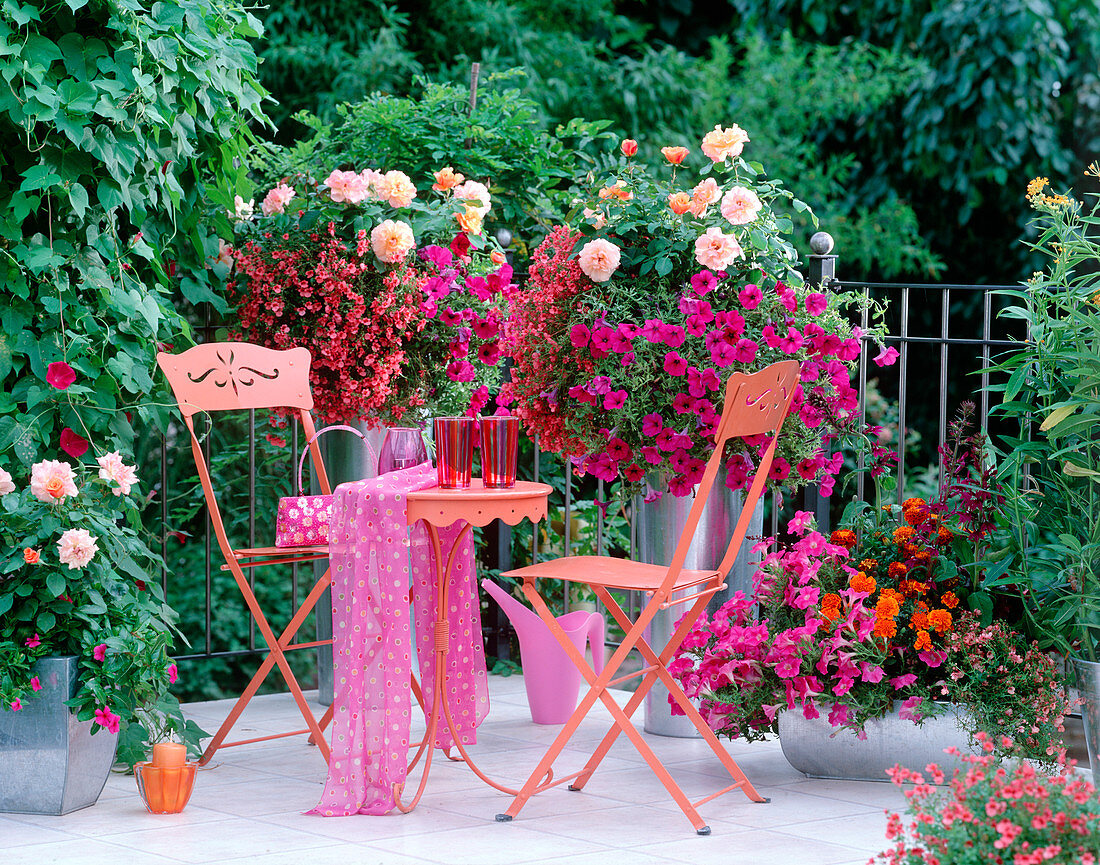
<point>634,316</point>
<point>77,580</point>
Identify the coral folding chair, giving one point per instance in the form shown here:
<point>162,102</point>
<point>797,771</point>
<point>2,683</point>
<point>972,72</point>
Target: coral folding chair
<point>755,405</point>
<point>225,376</point>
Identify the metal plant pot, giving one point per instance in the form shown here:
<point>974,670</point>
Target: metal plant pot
<point>1088,684</point>
<point>820,750</point>
<point>50,763</point>
<point>658,526</point>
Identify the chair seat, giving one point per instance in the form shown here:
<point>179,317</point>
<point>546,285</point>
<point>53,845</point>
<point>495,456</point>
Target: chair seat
<point>310,551</point>
<point>611,573</point>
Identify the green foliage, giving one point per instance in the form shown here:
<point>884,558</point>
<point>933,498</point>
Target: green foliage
<point>1009,87</point>
<point>590,61</point>
<point>501,142</point>
<point>1052,521</point>
<point>118,119</point>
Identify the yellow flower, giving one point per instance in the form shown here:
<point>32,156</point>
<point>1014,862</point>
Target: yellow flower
<point>1035,186</point>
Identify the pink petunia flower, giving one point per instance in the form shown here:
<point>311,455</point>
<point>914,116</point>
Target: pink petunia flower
<point>886,357</point>
<point>750,296</point>
<point>33,642</point>
<point>173,674</point>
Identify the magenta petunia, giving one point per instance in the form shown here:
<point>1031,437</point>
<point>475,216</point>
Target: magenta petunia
<point>100,652</point>
<point>616,399</point>
<point>750,296</point>
<point>886,357</point>
<point>60,375</point>
<point>674,364</point>
<point>652,424</point>
<point>816,303</point>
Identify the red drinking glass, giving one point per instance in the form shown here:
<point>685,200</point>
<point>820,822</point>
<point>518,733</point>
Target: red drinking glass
<point>499,450</point>
<point>454,451</point>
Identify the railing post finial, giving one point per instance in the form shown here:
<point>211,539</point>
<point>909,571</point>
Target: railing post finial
<point>822,263</point>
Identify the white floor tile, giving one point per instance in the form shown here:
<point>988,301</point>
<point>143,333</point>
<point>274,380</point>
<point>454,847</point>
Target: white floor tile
<point>247,806</point>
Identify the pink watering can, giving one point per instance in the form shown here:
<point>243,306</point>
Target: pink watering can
<point>553,682</point>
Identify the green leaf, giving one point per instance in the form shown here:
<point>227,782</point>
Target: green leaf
<point>55,582</point>
<point>78,198</point>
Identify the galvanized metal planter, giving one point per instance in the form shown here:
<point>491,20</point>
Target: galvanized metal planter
<point>659,525</point>
<point>50,763</point>
<point>819,750</point>
<point>1088,684</point>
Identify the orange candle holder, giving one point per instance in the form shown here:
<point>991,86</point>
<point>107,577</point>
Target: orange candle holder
<point>165,789</point>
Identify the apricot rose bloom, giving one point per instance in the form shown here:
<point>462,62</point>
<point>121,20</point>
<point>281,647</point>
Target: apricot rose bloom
<point>446,178</point>
<point>675,155</point>
<point>31,556</point>
<point>392,240</point>
<point>396,188</point>
<point>475,195</point>
<point>6,485</point>
<point>629,147</point>
<point>76,548</point>
<point>704,194</point>
<point>740,205</point>
<point>679,202</point>
<point>616,190</point>
<point>469,220</point>
<point>720,144</point>
<point>599,259</point>
<point>596,218</point>
<point>52,480</point>
<point>498,257</point>
<point>717,250</point>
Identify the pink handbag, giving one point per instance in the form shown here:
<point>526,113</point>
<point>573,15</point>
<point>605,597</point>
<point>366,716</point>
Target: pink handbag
<point>303,520</point>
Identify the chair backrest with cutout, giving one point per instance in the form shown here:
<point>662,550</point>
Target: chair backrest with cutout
<point>755,404</point>
<point>223,376</point>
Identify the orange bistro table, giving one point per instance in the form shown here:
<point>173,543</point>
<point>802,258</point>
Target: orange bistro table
<point>438,508</point>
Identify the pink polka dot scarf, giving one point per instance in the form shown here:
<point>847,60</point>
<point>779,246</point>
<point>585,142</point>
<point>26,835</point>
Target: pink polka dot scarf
<point>371,550</point>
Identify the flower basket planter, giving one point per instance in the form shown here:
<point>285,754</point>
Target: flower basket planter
<point>50,763</point>
<point>819,750</point>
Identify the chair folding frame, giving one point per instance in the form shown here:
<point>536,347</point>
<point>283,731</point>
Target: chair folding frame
<point>215,377</point>
<point>754,405</point>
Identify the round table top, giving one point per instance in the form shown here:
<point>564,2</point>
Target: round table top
<point>479,505</point>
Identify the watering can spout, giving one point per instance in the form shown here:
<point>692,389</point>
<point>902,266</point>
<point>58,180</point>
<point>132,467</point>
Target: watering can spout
<point>552,681</point>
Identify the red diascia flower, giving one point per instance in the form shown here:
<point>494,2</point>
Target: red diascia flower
<point>60,375</point>
<point>73,444</point>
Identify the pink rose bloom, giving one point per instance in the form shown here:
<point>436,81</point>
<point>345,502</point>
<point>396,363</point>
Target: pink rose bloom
<point>371,180</point>
<point>392,241</point>
<point>599,259</point>
<point>346,186</point>
<point>596,218</point>
<point>100,652</point>
<point>396,188</point>
<point>112,468</point>
<point>6,486</point>
<point>76,548</point>
<point>720,144</point>
<point>717,250</point>
<point>475,194</point>
<point>740,205</point>
<point>51,480</point>
<point>277,199</point>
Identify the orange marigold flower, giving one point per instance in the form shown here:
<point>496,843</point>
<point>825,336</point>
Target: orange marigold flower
<point>830,599</point>
<point>885,628</point>
<point>950,600</point>
<point>944,535</point>
<point>924,558</point>
<point>914,503</point>
<point>923,641</point>
<point>939,620</point>
<point>892,593</point>
<point>861,582</point>
<point>911,588</point>
<point>903,534</point>
<point>921,605</point>
<point>843,538</point>
<point>887,607</point>
<point>897,570</point>
<point>919,621</point>
<point>868,565</point>
<point>915,516</point>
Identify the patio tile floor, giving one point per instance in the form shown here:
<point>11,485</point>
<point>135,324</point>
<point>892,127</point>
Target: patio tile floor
<point>247,807</point>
